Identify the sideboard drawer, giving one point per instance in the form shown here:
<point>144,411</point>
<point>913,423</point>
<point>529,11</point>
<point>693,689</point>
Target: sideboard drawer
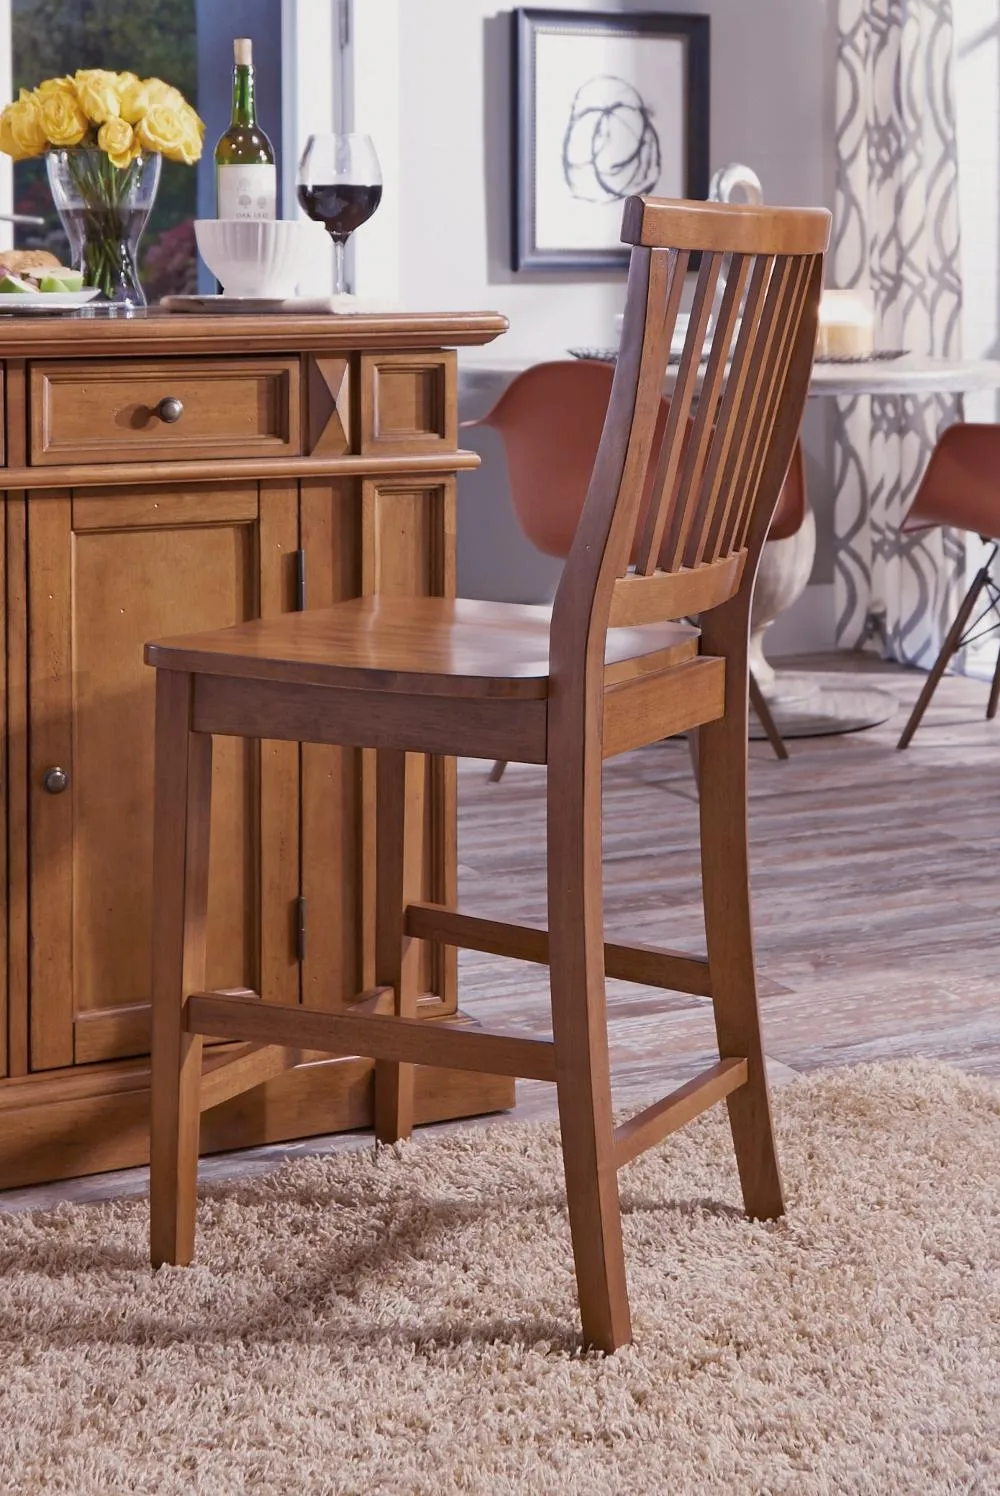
<point>118,410</point>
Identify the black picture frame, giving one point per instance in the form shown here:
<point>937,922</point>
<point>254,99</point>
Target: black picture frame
<point>530,24</point>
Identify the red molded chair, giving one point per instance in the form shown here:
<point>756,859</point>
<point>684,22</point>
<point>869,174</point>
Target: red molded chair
<point>551,418</point>
<point>961,488</point>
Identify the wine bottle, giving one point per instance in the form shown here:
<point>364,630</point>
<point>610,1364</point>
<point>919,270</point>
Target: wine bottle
<point>246,180</point>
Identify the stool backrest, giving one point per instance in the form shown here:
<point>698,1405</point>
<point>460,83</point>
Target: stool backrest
<point>730,430</point>
<point>550,417</point>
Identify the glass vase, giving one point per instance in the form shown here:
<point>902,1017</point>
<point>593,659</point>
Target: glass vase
<point>104,209</point>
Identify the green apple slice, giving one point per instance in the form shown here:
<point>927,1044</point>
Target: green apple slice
<point>62,280</point>
<point>11,283</point>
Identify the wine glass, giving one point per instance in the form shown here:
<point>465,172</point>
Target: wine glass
<point>340,186</point>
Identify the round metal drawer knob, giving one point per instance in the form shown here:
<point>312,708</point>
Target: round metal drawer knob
<point>170,410</point>
<point>55,780</point>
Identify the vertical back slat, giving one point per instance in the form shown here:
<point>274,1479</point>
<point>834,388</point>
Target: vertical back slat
<point>666,282</point>
<point>742,414</point>
<point>714,495</point>
<point>687,518</point>
<point>668,462</point>
<point>760,417</point>
<point>789,318</point>
<point>603,537</point>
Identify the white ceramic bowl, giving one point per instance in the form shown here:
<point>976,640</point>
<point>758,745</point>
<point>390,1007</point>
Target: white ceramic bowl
<point>265,258</point>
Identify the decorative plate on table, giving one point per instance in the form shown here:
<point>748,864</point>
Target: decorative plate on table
<point>46,301</point>
<point>877,356</point>
<point>601,355</point>
<point>610,355</point>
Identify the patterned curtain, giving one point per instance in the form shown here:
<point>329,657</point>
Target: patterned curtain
<point>895,237</point>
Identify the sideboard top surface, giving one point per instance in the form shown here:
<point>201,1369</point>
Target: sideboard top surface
<point>165,333</point>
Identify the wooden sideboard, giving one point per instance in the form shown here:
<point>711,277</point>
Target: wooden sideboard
<point>167,473</point>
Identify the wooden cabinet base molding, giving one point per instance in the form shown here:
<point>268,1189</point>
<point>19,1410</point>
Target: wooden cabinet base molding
<point>90,1120</point>
<point>165,475</point>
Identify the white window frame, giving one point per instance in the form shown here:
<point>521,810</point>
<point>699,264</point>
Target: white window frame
<point>340,71</point>
<point>368,77</point>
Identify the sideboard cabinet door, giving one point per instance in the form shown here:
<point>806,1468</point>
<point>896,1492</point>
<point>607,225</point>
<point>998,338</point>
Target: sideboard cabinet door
<point>107,571</point>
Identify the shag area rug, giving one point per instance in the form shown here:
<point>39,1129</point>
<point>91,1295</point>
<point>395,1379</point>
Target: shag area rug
<point>405,1320</point>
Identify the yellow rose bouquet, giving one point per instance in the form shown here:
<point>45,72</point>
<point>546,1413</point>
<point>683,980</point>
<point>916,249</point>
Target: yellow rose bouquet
<point>103,135</point>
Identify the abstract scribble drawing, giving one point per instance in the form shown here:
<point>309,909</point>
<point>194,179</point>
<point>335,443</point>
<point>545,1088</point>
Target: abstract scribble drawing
<point>611,149</point>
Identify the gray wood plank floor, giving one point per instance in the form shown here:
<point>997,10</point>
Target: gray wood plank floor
<point>875,896</point>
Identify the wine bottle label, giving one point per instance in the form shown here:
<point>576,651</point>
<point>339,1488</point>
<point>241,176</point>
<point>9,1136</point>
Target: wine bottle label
<point>248,191</point>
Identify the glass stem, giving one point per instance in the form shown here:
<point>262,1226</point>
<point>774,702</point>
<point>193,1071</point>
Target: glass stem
<point>339,260</point>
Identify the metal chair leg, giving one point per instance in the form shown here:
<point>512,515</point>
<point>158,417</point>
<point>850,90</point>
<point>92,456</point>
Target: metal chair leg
<point>991,709</point>
<point>948,648</point>
<point>759,703</point>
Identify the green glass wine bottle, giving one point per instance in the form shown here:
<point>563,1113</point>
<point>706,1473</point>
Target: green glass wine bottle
<point>246,180</point>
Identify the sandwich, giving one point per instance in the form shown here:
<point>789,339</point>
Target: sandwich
<point>28,271</point>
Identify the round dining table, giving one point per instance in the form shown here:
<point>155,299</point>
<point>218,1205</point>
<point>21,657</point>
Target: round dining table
<point>806,703</point>
<point>803,703</point>
<point>907,374</point>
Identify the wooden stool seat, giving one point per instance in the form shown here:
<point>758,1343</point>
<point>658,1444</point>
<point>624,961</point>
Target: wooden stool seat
<point>607,671</point>
<point>425,645</point>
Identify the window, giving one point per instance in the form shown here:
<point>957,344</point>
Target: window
<point>187,43</point>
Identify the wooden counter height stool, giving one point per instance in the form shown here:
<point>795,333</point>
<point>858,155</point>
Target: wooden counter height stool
<point>416,676</point>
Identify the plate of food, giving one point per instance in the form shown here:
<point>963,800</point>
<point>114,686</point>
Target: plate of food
<point>32,280</point>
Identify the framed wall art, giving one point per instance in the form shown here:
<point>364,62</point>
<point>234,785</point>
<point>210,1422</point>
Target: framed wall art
<point>604,106</point>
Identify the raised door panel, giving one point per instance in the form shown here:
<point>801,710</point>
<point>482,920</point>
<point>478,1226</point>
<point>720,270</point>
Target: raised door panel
<point>407,402</point>
<point>107,572</point>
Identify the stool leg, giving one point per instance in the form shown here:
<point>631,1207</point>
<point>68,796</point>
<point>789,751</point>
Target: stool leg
<point>399,825</point>
<point>579,1026</point>
<point>729,934</point>
<point>180,899</point>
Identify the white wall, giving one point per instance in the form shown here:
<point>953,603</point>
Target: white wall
<point>977,99</point>
<point>772,107</point>
<point>770,102</point>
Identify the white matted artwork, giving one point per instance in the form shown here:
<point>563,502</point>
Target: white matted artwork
<point>605,107</point>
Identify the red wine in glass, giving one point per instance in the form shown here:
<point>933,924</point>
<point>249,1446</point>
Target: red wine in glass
<point>340,186</point>
<point>341,207</point>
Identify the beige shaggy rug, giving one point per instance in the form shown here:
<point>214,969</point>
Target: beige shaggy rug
<point>405,1321</point>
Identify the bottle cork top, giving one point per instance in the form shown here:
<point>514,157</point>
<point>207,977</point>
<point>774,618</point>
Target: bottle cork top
<point>243,51</point>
